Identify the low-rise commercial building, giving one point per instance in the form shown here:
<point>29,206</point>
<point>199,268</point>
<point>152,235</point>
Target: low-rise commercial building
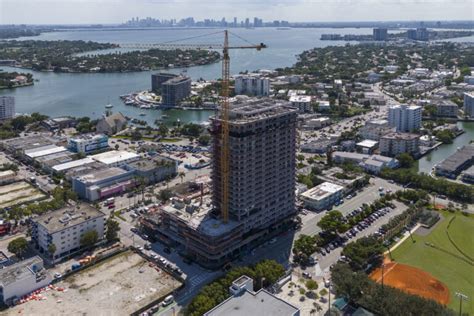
<point>370,163</point>
<point>394,144</point>
<point>367,146</point>
<point>322,196</point>
<point>244,301</point>
<point>468,175</point>
<point>58,123</point>
<point>64,229</point>
<point>116,158</point>
<point>32,154</point>
<point>103,183</point>
<point>88,143</point>
<point>153,170</point>
<point>317,123</point>
<point>22,278</point>
<point>452,166</point>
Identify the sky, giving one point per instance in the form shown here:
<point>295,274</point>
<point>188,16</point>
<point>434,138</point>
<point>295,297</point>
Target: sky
<point>118,11</point>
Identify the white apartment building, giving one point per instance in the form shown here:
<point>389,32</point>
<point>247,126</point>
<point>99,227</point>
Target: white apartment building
<point>375,129</point>
<point>394,144</point>
<point>302,103</point>
<point>7,107</point>
<point>21,279</point>
<point>469,104</point>
<point>322,196</point>
<point>252,84</point>
<point>64,228</point>
<point>405,118</point>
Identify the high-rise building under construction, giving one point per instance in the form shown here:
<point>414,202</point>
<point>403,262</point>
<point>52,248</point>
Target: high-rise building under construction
<point>261,197</point>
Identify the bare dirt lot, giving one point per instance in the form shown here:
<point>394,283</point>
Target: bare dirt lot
<point>117,286</point>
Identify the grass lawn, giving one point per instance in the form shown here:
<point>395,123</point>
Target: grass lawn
<point>457,274</point>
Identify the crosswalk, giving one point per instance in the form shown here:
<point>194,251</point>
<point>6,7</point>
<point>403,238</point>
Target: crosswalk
<point>197,279</point>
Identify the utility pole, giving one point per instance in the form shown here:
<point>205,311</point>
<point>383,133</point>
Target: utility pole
<point>462,297</point>
<point>329,298</point>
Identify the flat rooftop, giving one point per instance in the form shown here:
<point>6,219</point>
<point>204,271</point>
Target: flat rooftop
<point>44,151</point>
<point>151,164</point>
<point>249,110</point>
<point>67,217</point>
<point>249,303</point>
<point>322,191</point>
<point>114,156</point>
<point>456,160</point>
<point>19,271</point>
<point>300,98</point>
<point>28,142</point>
<point>73,164</point>
<point>200,219</point>
<point>87,137</point>
<point>368,143</point>
<point>101,174</point>
<point>400,136</point>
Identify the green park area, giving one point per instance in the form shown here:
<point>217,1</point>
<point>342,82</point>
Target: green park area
<point>450,260</point>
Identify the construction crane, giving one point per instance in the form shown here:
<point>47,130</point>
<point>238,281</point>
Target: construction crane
<point>224,108</point>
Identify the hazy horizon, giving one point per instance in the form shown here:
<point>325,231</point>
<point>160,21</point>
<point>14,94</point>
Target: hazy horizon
<point>119,11</point>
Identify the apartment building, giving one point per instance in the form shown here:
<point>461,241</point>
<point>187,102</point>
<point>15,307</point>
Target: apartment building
<point>7,107</point>
<point>64,228</point>
<point>446,108</point>
<point>374,129</point>
<point>405,118</point>
<point>469,104</point>
<point>252,85</point>
<point>302,103</point>
<point>394,144</point>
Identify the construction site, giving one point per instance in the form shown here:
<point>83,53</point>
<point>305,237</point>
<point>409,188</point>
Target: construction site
<point>261,196</point>
<point>120,285</point>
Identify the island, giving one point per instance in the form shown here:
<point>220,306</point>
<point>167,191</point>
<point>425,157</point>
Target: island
<point>90,57</point>
<point>432,35</point>
<point>9,80</point>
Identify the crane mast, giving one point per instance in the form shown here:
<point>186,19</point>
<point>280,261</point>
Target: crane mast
<point>225,156</point>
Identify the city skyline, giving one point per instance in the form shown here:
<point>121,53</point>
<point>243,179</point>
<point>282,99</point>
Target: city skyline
<point>119,11</point>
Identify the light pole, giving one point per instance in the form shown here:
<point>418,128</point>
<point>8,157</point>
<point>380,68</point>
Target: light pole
<point>329,298</point>
<point>462,297</point>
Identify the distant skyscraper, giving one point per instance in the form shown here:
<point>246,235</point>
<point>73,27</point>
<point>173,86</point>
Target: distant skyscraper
<point>7,107</point>
<point>405,118</point>
<point>247,22</point>
<point>380,34</point>
<point>235,22</point>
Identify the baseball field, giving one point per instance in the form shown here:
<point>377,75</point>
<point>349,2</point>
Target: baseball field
<point>438,264</point>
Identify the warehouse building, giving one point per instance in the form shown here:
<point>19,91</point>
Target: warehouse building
<point>452,166</point>
<point>116,158</point>
<point>103,183</point>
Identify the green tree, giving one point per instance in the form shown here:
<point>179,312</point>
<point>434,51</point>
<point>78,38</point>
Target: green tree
<point>204,140</point>
<point>165,194</point>
<point>136,135</point>
<point>304,247</point>
<point>113,228</point>
<point>18,246</point>
<point>311,285</point>
<point>51,249</point>
<point>89,238</point>
<point>332,221</point>
<point>406,160</point>
<point>364,251</point>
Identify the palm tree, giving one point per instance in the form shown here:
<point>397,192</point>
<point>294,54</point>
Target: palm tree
<point>181,175</point>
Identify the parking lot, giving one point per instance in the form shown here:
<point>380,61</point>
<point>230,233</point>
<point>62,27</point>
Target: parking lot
<point>117,286</point>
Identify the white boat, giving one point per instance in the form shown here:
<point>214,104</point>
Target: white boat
<point>109,106</point>
<point>142,114</point>
<point>164,116</point>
